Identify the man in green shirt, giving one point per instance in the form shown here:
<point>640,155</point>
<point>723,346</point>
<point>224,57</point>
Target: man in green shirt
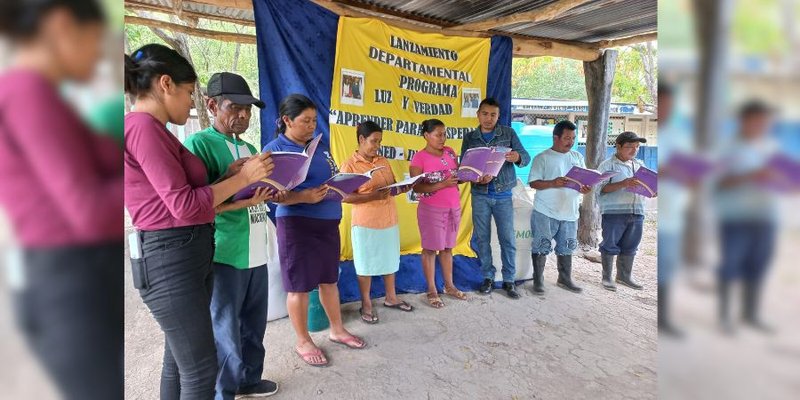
<point>239,298</point>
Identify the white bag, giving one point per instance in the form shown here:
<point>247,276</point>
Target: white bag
<point>523,207</point>
<point>277,295</point>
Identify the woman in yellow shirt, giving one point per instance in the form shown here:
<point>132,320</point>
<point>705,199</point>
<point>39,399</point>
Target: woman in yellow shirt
<point>375,231</point>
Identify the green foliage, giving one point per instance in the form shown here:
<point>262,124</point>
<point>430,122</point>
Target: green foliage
<point>210,56</point>
<point>562,79</point>
<point>547,78</point>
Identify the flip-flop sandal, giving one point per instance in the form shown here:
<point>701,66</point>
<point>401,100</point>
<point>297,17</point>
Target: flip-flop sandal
<point>308,357</point>
<point>435,301</point>
<point>402,306</point>
<point>456,294</point>
<point>368,318</point>
<point>351,342</point>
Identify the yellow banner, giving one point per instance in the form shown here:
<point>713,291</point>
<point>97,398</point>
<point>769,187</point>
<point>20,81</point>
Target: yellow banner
<point>399,78</point>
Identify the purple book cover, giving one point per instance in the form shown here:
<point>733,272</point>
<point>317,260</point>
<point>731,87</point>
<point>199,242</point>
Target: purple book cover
<point>648,186</point>
<point>403,186</point>
<point>785,173</point>
<point>688,168</point>
<point>578,177</point>
<point>290,170</point>
<point>343,184</point>
<point>479,161</point>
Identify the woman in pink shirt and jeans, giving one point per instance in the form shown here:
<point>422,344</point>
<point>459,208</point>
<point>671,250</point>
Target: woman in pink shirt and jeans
<point>439,209</point>
<point>172,205</point>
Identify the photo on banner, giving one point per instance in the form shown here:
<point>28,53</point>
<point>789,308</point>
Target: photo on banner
<point>470,100</point>
<point>352,87</point>
<point>398,78</point>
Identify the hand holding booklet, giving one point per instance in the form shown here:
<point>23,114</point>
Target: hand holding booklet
<point>290,171</point>
<point>578,177</point>
<point>342,184</point>
<point>481,161</point>
<point>403,186</point>
<point>648,182</point>
<point>784,174</point>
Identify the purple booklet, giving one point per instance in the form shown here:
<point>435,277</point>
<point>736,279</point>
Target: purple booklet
<point>403,186</point>
<point>578,177</point>
<point>479,161</point>
<point>290,170</point>
<point>785,174</point>
<point>648,182</point>
<point>343,184</point>
<point>687,168</point>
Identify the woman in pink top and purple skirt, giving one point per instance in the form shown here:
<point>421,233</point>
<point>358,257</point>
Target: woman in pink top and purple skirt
<point>439,210</point>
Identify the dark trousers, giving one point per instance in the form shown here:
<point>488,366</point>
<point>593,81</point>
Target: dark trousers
<point>746,250</point>
<point>239,316</point>
<point>622,233</point>
<point>176,279</point>
<point>71,312</point>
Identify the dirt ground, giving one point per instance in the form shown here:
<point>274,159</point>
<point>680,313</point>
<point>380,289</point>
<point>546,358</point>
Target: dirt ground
<point>597,344</point>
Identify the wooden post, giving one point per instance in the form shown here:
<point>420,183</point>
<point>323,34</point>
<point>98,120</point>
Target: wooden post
<point>599,76</point>
<point>713,42</point>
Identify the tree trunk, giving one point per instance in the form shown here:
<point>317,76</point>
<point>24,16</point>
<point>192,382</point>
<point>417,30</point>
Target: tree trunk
<point>127,49</point>
<point>180,43</point>
<point>713,40</point>
<point>647,53</point>
<point>235,65</point>
<point>599,76</point>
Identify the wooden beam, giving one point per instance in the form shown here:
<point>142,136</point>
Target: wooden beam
<point>546,13</point>
<point>646,37</point>
<point>204,33</point>
<point>540,47</point>
<point>240,4</point>
<point>523,47</point>
<point>348,11</point>
<point>386,11</point>
<point>134,5</point>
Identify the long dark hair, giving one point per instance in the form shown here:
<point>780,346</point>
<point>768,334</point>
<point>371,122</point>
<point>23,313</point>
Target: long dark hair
<point>152,61</point>
<point>20,19</point>
<point>292,106</point>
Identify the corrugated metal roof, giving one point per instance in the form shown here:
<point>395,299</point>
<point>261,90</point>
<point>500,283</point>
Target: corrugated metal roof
<point>591,22</point>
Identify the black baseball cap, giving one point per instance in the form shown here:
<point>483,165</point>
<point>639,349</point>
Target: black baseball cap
<point>232,87</point>
<point>629,137</point>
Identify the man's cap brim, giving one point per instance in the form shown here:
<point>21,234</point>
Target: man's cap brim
<point>244,99</point>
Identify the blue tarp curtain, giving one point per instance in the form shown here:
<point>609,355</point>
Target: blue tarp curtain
<point>296,42</point>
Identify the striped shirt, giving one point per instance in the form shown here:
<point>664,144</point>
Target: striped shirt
<point>620,201</point>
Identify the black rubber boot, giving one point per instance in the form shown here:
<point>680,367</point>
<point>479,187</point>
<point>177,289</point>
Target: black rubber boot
<point>538,261</point>
<point>624,268</point>
<point>608,267</point>
<point>565,274</point>
<point>665,326</point>
<point>751,297</point>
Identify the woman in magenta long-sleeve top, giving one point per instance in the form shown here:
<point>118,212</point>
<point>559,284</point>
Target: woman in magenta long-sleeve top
<point>61,191</point>
<point>172,205</point>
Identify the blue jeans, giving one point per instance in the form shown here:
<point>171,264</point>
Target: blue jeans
<point>483,208</point>
<point>544,229</point>
<point>746,250</point>
<point>670,255</point>
<point>239,317</point>
<point>622,234</point>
